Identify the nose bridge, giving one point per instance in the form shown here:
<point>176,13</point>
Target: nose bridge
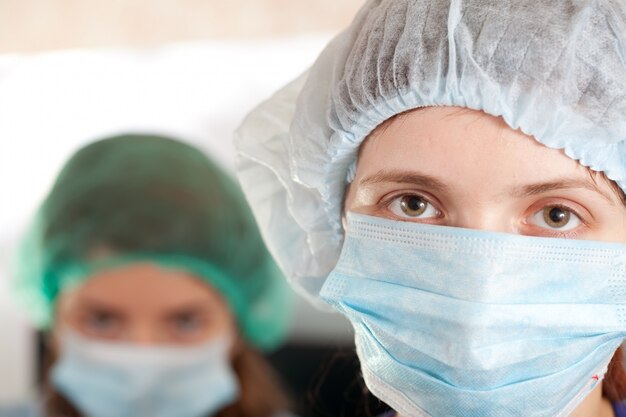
<point>143,332</point>
<point>487,217</point>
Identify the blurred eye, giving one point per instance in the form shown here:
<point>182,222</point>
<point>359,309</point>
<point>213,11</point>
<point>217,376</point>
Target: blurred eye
<point>102,323</point>
<point>187,324</point>
<point>556,217</point>
<point>413,206</point>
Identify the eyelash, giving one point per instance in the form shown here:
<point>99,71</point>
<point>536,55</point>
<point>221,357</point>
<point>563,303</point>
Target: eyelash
<point>386,202</point>
<point>568,234</point>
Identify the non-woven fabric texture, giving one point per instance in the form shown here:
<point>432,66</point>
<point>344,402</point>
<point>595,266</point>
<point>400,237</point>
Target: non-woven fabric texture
<point>553,69</point>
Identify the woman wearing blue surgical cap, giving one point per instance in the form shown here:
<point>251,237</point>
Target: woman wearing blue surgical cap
<point>450,176</point>
<point>145,265</point>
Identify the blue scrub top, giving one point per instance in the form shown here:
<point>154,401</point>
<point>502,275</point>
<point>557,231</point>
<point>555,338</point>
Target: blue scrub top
<point>619,409</point>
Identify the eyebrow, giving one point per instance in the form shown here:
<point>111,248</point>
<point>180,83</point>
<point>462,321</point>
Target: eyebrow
<point>563,184</point>
<point>434,184</point>
<point>405,177</point>
<point>89,304</point>
<point>191,307</point>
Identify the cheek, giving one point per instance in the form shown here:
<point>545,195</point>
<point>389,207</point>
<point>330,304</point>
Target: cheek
<point>360,199</point>
<point>620,231</point>
<point>615,233</point>
<point>610,227</point>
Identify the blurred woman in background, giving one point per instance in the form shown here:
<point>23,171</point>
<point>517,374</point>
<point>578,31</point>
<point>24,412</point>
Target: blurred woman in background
<point>146,267</point>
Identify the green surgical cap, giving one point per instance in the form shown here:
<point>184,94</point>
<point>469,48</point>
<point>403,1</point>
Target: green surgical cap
<point>150,198</point>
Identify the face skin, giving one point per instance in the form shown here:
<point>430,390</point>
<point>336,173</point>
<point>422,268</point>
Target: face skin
<point>146,304</point>
<point>463,168</point>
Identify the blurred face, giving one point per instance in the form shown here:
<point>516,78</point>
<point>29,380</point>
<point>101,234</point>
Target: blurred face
<point>146,304</point>
<point>463,168</point>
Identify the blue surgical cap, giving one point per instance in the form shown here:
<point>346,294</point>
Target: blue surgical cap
<point>553,69</point>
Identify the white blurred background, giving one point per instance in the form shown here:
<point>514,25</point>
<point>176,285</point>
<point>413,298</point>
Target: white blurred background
<point>72,71</point>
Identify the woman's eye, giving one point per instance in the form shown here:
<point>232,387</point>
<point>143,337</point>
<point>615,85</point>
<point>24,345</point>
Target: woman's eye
<point>556,218</point>
<point>413,206</point>
<point>187,324</point>
<point>99,322</point>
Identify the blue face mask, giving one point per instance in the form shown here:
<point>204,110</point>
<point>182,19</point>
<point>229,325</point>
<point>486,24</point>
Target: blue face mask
<point>124,380</point>
<point>456,322</point>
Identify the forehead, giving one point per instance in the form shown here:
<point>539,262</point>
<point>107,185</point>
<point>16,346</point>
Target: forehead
<point>143,286</point>
<point>462,144</point>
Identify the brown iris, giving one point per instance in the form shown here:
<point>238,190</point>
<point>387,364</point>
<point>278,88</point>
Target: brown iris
<point>556,217</point>
<point>413,205</point>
